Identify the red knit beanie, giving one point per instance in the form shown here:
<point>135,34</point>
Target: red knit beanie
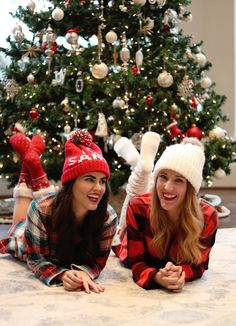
<point>82,156</point>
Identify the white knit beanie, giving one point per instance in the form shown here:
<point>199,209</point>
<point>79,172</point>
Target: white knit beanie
<point>186,158</point>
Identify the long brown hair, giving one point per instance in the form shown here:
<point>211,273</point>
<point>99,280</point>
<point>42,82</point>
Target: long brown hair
<point>191,222</point>
<point>69,249</point>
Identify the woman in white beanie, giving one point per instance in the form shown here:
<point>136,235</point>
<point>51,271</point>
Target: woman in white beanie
<point>169,232</point>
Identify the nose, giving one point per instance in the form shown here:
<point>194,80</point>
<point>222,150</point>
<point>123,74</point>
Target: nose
<point>168,185</point>
<point>97,186</point>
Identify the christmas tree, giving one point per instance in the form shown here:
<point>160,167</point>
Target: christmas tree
<point>116,68</point>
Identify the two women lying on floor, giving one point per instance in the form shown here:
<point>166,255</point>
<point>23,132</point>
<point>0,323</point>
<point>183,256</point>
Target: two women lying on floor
<point>165,233</point>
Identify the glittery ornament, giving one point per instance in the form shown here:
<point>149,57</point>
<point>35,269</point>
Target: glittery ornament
<point>219,174</point>
<point>165,79</point>
<point>185,88</point>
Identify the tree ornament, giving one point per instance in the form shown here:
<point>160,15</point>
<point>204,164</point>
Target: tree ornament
<point>33,114</point>
<point>219,174</point>
<point>110,120</point>
<point>148,26</point>
<point>194,131</point>
<point>18,34</point>
<point>185,88</point>
<point>216,133</point>
<point>124,53</point>
<point>72,36</point>
<point>12,89</point>
<point>174,131</point>
<point>193,103</point>
<point>118,103</point>
<point>139,2</point>
<point>149,100</point>
<point>99,70</point>
<point>79,84</point>
<point>205,82</point>
<point>44,47</point>
<point>31,5</point>
<point>30,79</point>
<point>66,105</point>
<point>67,129</point>
<point>58,14</point>
<point>102,129</point>
<point>123,8</point>
<point>201,59</point>
<point>19,128</point>
<point>59,77</point>
<point>139,58</point>
<point>165,79</point>
<point>111,37</point>
<point>50,40</point>
<point>134,71</point>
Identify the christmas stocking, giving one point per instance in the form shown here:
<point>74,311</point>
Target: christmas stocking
<point>126,149</point>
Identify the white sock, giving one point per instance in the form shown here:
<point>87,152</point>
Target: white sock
<point>149,146</point>
<point>126,149</point>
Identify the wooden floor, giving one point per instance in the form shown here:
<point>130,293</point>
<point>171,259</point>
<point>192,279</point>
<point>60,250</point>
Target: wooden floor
<point>228,199</point>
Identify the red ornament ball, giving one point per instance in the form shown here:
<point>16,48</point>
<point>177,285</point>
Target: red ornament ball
<point>194,131</point>
<point>34,114</point>
<point>149,100</point>
<point>134,71</point>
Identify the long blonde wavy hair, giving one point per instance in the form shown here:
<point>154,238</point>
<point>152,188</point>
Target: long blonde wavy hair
<point>191,223</point>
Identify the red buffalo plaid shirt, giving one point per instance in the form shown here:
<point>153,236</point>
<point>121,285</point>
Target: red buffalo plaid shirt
<point>30,241</point>
<point>136,251</point>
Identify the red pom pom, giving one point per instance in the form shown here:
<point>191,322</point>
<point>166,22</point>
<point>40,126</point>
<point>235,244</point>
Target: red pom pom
<point>81,136</point>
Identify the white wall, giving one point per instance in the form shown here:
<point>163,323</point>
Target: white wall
<point>213,23</point>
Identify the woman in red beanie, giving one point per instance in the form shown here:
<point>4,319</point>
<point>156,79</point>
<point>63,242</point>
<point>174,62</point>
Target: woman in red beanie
<point>64,236</point>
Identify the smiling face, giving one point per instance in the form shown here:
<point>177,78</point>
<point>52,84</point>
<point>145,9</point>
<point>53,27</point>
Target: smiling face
<point>87,191</point>
<point>171,188</point>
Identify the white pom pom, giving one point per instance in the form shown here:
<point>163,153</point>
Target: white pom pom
<point>216,133</point>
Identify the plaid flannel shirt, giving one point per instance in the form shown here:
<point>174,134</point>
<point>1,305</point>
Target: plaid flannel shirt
<point>29,241</point>
<point>137,252</point>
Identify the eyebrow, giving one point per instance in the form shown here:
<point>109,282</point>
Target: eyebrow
<point>93,177</point>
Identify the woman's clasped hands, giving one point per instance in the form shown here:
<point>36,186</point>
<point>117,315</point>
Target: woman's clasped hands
<point>74,280</point>
<point>171,277</point>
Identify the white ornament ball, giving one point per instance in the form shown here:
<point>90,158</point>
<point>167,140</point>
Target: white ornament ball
<point>201,59</point>
<point>219,174</point>
<point>165,79</point>
<point>30,78</point>
<point>139,2</point>
<point>205,82</point>
<point>99,70</point>
<point>111,37</point>
<point>58,14</point>
<point>31,5</point>
<point>216,133</point>
<point>118,103</point>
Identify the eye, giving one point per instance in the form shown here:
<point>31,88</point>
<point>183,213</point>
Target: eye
<point>179,180</point>
<point>89,179</point>
<point>103,181</point>
<point>162,177</point>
